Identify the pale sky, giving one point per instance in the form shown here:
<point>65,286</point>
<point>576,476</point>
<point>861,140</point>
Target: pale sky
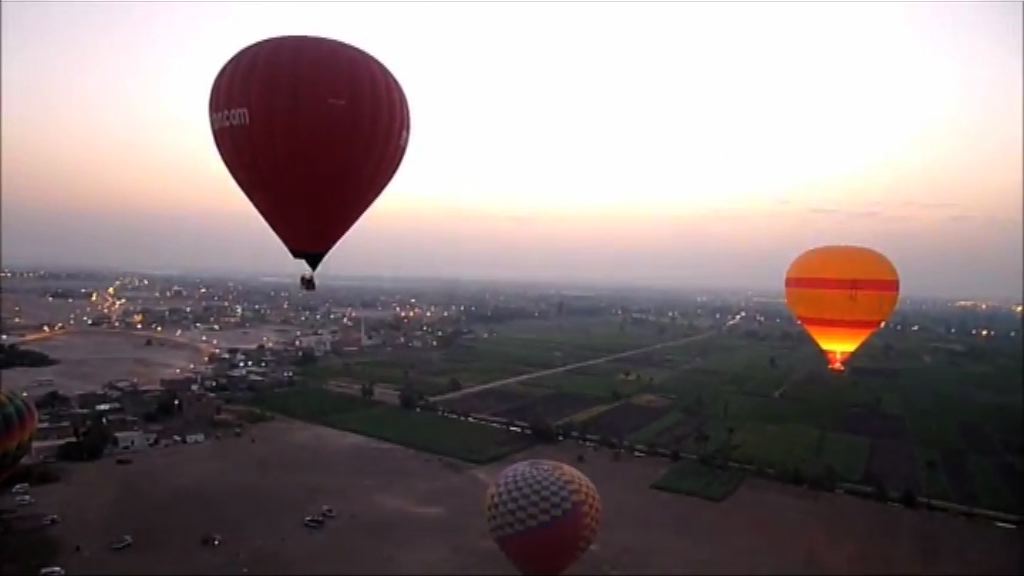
<point>671,144</point>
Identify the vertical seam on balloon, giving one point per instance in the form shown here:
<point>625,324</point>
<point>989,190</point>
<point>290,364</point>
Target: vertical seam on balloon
<point>275,68</point>
<point>253,68</point>
<point>297,73</point>
<point>384,138</point>
<point>398,147</point>
<point>375,141</point>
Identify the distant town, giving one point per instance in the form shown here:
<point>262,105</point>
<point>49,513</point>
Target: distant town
<point>121,365</point>
<point>253,334</point>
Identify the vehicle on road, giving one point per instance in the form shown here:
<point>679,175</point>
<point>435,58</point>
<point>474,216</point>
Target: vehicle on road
<point>122,542</point>
<point>314,521</point>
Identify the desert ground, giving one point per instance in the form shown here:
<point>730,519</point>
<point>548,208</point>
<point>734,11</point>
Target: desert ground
<point>401,511</point>
<point>242,337</point>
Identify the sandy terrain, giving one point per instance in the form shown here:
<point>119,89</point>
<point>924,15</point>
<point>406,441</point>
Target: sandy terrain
<point>243,338</point>
<point>405,512</point>
<point>32,310</point>
<point>90,358</point>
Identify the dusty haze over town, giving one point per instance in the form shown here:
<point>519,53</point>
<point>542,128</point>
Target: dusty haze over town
<point>668,144</point>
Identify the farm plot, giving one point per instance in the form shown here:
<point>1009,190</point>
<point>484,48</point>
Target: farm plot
<point>846,454</point>
<point>695,479</point>
<point>591,380</point>
<point>958,476</point>
<point>933,479</point>
<point>550,407</point>
<point>435,434</point>
<point>747,408</point>
<point>626,418</point>
<point>424,431</point>
<point>669,430</point>
<point>872,423</point>
<point>993,490</point>
<point>491,400</point>
<point>784,447</point>
<point>894,463</point>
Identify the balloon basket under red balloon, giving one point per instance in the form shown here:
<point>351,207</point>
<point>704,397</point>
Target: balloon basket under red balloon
<point>307,282</point>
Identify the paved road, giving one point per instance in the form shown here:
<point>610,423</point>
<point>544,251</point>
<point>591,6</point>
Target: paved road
<point>568,367</point>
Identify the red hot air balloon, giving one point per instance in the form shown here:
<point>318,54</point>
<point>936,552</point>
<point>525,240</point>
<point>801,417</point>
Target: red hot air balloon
<point>312,130</point>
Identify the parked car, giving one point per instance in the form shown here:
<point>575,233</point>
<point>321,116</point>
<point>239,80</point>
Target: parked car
<point>24,500</point>
<point>122,542</point>
<point>327,511</point>
<point>52,571</point>
<point>314,521</point>
<point>20,488</point>
<point>51,519</point>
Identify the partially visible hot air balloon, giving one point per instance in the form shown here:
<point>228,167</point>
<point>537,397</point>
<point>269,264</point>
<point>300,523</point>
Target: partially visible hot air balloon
<point>312,130</point>
<point>841,295</point>
<point>18,421</point>
<point>543,515</point>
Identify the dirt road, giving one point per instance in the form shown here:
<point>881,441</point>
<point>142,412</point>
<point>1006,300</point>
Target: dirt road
<point>566,368</point>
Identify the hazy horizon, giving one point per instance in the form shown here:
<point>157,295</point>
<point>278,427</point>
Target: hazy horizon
<point>598,285</point>
<point>690,145</point>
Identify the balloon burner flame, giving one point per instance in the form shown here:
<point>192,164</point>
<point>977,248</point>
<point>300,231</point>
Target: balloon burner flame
<point>835,361</point>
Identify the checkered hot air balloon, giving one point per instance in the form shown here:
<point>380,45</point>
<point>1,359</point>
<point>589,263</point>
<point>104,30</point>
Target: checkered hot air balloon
<point>543,515</point>
<point>18,420</point>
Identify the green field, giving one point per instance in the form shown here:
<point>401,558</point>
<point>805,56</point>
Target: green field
<point>908,398</point>
<point>785,446</point>
<point>514,348</point>
<point>429,432</point>
<point>846,454</point>
<point>695,479</point>
<point>593,381</point>
<point>992,493</point>
<point>796,415</point>
<point>312,404</point>
<point>425,431</point>
<point>650,433</point>
<point>933,480</point>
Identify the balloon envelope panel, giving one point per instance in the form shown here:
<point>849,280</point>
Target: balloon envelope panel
<point>841,295</point>
<point>18,422</point>
<point>543,515</point>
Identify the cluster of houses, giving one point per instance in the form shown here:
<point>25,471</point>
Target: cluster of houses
<point>184,409</point>
<point>138,416</point>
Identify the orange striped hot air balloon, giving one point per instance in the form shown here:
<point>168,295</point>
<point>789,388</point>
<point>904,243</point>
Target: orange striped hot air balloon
<point>841,295</point>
